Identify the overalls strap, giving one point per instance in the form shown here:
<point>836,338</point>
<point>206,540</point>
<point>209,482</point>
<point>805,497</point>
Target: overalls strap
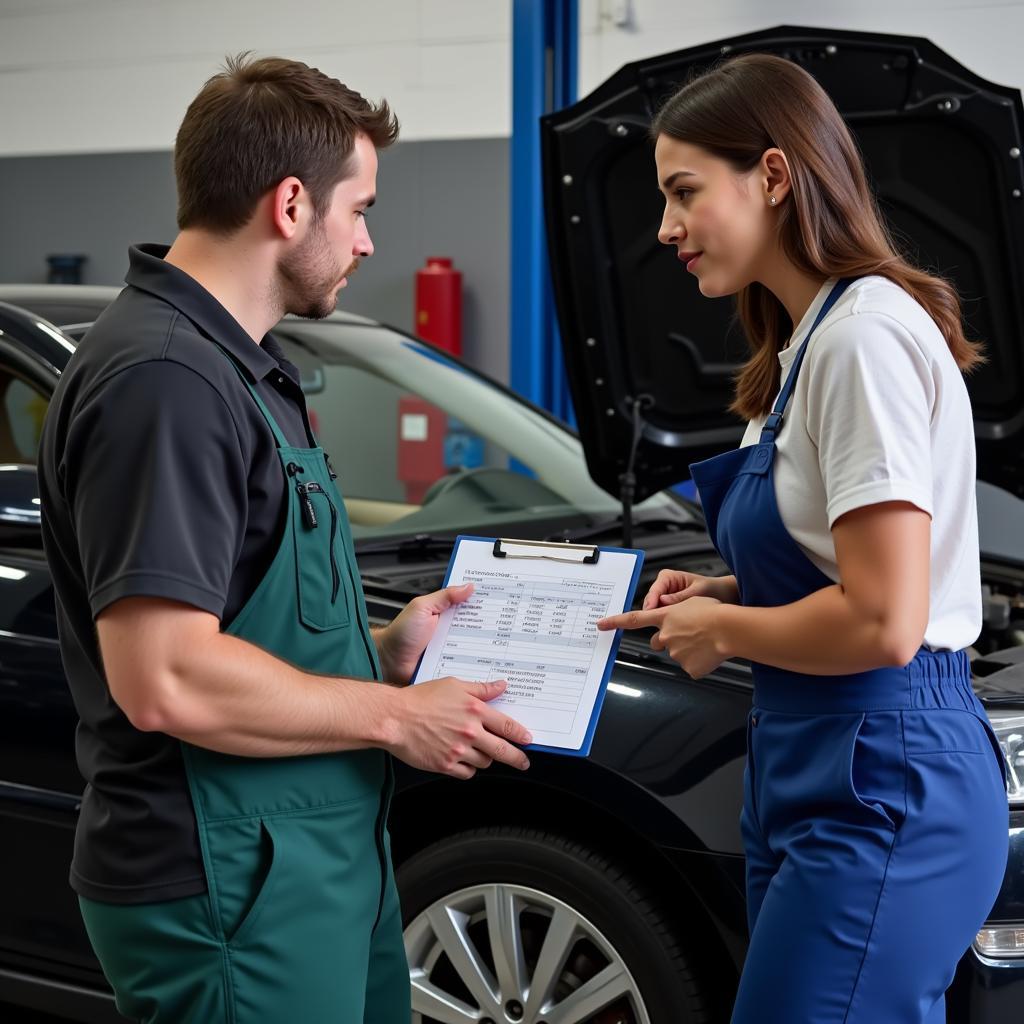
<point>774,420</point>
<point>279,438</point>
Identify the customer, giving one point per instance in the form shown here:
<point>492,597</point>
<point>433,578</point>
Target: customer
<point>875,813</point>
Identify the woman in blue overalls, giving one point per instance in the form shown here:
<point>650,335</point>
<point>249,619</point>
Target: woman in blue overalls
<point>875,814</point>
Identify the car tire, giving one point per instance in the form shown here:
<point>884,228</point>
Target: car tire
<point>608,924</point>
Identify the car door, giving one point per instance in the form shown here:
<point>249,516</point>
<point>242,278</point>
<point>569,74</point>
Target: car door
<point>39,783</point>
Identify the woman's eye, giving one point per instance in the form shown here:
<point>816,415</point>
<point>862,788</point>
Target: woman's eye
<point>684,193</point>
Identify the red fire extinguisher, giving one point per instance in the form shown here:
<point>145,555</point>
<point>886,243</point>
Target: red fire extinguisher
<point>426,436</point>
<point>439,304</point>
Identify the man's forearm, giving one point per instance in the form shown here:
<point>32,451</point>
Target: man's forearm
<point>231,696</point>
<point>822,634</point>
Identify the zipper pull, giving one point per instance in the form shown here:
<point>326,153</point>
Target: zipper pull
<point>308,511</point>
<point>330,468</point>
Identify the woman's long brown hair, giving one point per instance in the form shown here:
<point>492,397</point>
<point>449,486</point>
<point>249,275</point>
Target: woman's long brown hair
<point>830,225</point>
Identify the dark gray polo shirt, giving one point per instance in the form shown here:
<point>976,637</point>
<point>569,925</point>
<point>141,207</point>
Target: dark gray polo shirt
<point>158,477</point>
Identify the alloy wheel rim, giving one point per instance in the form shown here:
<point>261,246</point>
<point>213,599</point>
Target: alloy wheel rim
<point>508,954</point>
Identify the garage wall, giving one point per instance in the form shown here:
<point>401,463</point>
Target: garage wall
<point>984,35</point>
<point>434,199</point>
<point>92,92</point>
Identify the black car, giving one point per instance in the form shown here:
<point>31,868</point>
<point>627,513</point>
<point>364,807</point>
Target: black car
<point>606,889</point>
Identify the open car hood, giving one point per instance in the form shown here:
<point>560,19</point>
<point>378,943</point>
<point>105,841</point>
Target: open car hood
<point>943,151</point>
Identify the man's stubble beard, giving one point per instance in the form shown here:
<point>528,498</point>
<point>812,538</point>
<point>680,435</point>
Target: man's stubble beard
<point>308,278</point>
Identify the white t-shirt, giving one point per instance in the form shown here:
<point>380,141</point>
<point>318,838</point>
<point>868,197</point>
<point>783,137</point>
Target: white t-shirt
<point>880,412</point>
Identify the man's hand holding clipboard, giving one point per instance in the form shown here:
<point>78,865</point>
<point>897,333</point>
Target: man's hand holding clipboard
<point>446,725</point>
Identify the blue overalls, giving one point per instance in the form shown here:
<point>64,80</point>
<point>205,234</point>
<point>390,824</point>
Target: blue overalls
<point>875,819</point>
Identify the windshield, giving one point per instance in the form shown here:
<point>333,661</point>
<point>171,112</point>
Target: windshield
<point>422,444</point>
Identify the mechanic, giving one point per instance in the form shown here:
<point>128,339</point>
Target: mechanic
<point>875,812</point>
<point>238,715</point>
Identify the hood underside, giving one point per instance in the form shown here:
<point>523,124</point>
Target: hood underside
<point>943,152</point>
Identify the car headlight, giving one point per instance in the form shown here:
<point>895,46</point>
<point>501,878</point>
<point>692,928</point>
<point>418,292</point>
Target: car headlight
<point>1001,941</point>
<point>1009,729</point>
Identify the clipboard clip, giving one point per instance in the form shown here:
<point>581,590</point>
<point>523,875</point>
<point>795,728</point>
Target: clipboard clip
<point>581,554</point>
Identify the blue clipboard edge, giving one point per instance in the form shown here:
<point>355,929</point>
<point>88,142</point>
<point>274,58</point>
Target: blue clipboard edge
<point>588,739</point>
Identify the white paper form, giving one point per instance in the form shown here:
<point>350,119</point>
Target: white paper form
<point>533,622</point>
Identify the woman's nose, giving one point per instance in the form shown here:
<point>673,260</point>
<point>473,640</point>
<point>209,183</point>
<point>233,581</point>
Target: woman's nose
<point>671,231</point>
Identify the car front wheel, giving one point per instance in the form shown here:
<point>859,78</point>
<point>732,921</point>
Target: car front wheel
<point>519,926</point>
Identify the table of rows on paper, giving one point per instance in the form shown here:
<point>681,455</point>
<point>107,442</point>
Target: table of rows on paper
<point>538,633</point>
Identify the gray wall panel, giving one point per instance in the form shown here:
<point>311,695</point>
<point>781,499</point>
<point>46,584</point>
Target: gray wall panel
<point>95,204</point>
<point>435,199</point>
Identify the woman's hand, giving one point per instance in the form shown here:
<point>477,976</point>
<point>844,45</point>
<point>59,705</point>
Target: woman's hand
<point>673,586</point>
<point>688,630</point>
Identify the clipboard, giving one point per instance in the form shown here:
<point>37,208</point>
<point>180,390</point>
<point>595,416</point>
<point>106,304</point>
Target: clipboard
<point>552,551</point>
<point>514,554</point>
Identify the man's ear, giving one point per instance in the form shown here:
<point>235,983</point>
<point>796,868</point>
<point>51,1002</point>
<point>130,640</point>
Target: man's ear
<point>289,204</point>
<point>775,175</point>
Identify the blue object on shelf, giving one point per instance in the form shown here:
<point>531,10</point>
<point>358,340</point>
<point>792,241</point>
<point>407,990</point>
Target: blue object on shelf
<point>462,448</point>
<point>65,268</point>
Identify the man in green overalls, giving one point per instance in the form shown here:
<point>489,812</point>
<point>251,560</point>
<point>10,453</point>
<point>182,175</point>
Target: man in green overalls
<point>237,712</point>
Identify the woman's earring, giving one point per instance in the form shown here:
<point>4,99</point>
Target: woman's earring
<point>772,200</point>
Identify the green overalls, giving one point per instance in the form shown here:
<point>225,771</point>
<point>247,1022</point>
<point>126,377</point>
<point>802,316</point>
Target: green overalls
<point>301,920</point>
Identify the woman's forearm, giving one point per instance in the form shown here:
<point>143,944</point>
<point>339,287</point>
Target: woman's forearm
<point>822,634</point>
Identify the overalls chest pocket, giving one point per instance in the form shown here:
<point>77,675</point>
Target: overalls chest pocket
<point>323,577</point>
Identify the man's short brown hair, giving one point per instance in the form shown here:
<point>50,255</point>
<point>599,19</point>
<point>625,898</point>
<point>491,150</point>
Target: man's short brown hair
<point>260,121</point>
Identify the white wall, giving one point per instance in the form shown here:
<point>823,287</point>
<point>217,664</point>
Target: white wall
<point>94,76</point>
<point>984,35</point>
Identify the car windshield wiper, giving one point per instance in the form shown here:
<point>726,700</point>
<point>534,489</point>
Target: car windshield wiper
<point>417,544</point>
<point>431,543</point>
<point>614,526</point>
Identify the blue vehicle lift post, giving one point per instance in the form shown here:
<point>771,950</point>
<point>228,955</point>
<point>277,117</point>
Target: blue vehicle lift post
<point>545,44</point>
